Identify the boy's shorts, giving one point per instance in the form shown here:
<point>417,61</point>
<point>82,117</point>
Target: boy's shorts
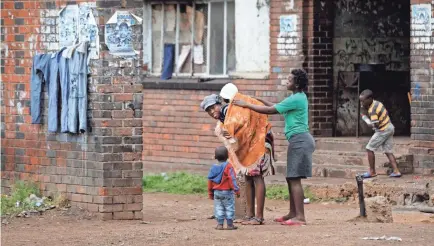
<point>383,140</point>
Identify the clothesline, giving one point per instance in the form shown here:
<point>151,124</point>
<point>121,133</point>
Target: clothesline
<point>67,70</point>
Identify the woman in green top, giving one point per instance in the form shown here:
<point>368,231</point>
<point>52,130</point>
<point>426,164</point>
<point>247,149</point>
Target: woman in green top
<point>301,144</point>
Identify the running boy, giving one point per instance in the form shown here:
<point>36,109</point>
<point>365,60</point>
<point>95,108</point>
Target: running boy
<point>221,187</point>
<point>378,119</point>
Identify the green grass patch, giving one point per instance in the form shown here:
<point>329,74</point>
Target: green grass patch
<point>20,191</point>
<point>176,183</point>
<point>280,192</point>
<point>186,183</point>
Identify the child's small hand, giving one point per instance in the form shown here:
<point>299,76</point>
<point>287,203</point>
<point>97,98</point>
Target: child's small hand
<point>238,195</point>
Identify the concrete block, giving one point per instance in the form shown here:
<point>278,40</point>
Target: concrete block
<point>378,210</point>
<point>123,215</point>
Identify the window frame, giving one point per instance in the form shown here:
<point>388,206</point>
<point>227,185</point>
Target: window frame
<point>148,57</point>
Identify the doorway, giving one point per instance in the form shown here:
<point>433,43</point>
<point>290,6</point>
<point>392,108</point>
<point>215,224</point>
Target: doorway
<point>371,50</point>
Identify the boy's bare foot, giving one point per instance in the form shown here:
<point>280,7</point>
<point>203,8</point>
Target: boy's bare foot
<point>219,227</point>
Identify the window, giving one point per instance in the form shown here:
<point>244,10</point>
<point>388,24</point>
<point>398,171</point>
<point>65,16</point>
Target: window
<point>200,36</point>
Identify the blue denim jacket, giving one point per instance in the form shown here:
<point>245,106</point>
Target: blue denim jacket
<point>77,99</point>
<point>64,87</point>
<point>72,73</point>
<point>40,74</point>
<point>53,91</point>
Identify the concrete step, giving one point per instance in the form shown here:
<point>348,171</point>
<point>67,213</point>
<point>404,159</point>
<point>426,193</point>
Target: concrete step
<point>321,157</point>
<point>401,145</point>
<point>334,171</point>
<point>337,171</point>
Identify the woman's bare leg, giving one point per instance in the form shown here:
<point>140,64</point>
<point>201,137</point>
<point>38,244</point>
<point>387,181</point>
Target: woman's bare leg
<point>297,199</point>
<point>260,196</point>
<point>250,195</point>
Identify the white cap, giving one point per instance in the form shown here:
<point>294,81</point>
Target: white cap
<point>228,91</point>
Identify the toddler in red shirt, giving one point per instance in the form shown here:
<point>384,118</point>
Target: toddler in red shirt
<point>222,185</point>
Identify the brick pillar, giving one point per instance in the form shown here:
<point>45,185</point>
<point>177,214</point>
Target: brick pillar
<point>422,78</point>
<point>100,170</point>
<point>318,51</point>
<point>116,103</point>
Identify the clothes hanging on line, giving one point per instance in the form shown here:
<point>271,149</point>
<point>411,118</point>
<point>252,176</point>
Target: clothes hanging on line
<point>69,69</point>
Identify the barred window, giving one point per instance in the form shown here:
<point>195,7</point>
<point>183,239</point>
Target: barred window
<point>199,34</point>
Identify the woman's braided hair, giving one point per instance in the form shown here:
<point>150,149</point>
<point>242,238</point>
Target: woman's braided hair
<point>300,78</point>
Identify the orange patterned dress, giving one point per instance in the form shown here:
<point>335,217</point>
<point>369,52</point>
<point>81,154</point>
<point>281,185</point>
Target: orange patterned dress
<point>249,152</point>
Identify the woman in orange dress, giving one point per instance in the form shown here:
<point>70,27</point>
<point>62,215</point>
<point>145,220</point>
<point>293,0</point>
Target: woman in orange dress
<point>250,142</point>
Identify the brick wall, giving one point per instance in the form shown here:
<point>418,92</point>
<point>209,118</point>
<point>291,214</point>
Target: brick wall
<point>178,135</point>
<point>422,105</point>
<point>100,170</point>
<point>318,52</point>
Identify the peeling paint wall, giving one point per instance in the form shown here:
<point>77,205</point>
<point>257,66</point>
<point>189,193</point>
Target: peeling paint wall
<point>252,36</point>
<point>369,32</point>
<point>76,165</point>
<point>422,83</point>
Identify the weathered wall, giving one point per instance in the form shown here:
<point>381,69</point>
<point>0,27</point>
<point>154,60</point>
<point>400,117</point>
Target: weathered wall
<point>368,32</point>
<point>371,31</point>
<point>100,170</point>
<point>422,84</point>
<point>178,134</point>
<point>253,36</point>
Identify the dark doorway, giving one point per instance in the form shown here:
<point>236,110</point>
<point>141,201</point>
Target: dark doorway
<point>371,50</point>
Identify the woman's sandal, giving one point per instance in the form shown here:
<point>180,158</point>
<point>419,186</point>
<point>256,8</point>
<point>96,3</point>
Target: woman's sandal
<point>254,221</point>
<point>291,222</point>
<point>281,219</point>
<point>238,221</point>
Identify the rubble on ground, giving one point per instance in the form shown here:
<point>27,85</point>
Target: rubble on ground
<point>36,204</point>
<point>414,194</point>
<point>378,209</point>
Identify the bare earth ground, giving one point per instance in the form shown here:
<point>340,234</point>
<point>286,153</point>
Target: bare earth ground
<point>181,220</point>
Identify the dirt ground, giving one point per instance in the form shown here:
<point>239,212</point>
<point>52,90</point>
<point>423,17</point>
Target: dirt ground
<point>182,220</point>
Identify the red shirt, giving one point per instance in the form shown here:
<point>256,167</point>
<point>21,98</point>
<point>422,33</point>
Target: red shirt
<point>228,180</point>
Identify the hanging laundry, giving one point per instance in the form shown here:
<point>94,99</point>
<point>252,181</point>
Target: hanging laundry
<point>70,67</point>
<point>53,91</point>
<point>169,52</point>
<point>64,90</point>
<point>77,99</point>
<point>40,75</point>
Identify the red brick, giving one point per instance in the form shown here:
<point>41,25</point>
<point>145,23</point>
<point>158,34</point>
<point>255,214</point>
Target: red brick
<point>77,197</point>
<point>110,208</point>
<point>133,207</point>
<point>124,114</point>
<point>123,215</point>
<point>123,97</point>
<point>123,132</point>
<point>103,199</point>
<point>138,215</point>
<point>105,216</point>
<point>92,207</point>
